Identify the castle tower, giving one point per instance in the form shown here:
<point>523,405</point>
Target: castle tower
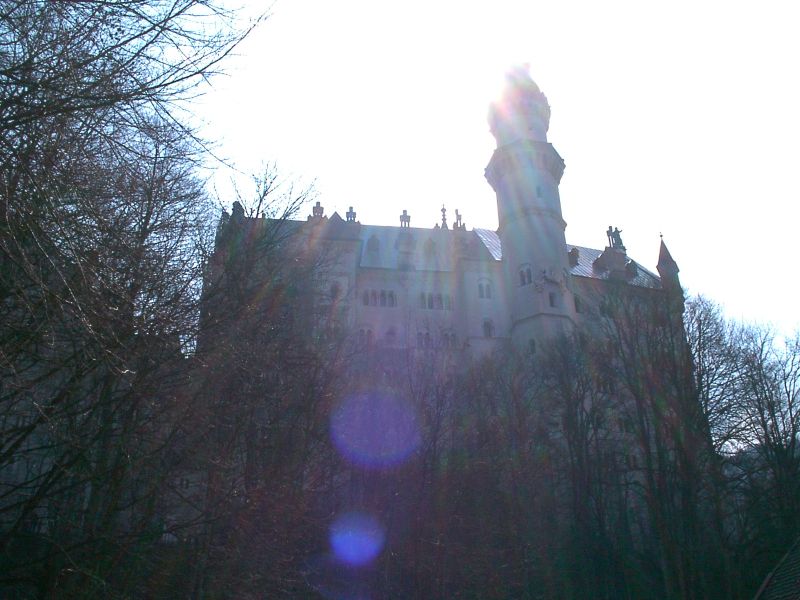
<point>525,171</point>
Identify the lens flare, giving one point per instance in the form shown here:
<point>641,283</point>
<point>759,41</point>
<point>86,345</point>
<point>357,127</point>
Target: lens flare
<point>356,538</point>
<point>375,430</point>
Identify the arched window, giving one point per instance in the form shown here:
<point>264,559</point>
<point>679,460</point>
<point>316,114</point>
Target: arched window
<point>488,288</point>
<point>531,346</point>
<point>448,302</point>
<point>365,298</point>
<point>439,303</point>
<point>369,337</point>
<point>383,297</point>
<point>392,299</point>
<point>427,339</point>
<point>528,275</point>
<point>430,300</point>
<point>481,293</point>
<point>373,298</point>
<point>488,328</point>
<point>422,302</point>
<point>553,298</point>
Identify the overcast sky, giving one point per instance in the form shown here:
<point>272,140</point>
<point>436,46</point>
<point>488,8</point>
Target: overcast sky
<point>678,117</point>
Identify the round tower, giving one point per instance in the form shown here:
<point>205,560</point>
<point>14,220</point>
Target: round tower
<point>525,171</point>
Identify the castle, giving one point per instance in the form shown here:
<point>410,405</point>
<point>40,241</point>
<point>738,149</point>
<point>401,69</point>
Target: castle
<point>448,287</point>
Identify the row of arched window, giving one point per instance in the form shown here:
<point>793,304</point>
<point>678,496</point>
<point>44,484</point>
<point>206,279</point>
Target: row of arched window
<point>446,340</point>
<point>378,298</point>
<point>435,301</point>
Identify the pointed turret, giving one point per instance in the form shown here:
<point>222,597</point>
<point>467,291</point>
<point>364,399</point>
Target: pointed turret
<point>667,267</point>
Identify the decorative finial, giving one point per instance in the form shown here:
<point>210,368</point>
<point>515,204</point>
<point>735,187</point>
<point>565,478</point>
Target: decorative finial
<point>405,219</point>
<point>444,217</point>
<point>457,224</point>
<point>317,210</point>
<point>351,215</point>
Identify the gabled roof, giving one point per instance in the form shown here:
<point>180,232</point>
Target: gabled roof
<point>585,268</point>
<point>783,583</point>
<point>585,265</point>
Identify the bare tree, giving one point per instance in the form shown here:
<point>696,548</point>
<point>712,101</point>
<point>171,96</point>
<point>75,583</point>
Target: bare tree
<point>103,227</point>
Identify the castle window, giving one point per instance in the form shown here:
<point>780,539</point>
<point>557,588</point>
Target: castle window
<point>578,305</point>
<point>383,297</point>
<point>335,291</point>
<point>430,301</point>
<point>391,336</point>
<point>484,289</point>
<point>553,299</point>
<point>369,338</point>
<point>525,275</point>
<point>373,298</point>
<point>365,298</point>
<point>531,346</point>
<point>392,299</point>
<point>488,328</point>
<point>439,304</point>
<point>372,244</point>
<point>420,339</point>
<point>448,302</point>
<point>422,302</point>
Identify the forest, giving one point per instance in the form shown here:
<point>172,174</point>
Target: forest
<point>180,416</point>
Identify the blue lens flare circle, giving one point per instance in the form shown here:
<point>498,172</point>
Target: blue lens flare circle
<point>356,538</point>
<point>375,430</point>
